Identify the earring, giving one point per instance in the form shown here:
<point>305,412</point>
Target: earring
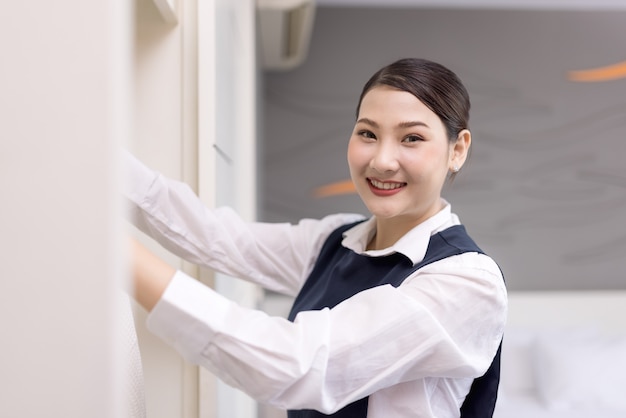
<point>455,169</point>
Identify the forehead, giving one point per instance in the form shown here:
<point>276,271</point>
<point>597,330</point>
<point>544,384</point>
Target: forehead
<point>385,103</point>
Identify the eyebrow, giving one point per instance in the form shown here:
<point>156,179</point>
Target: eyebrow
<point>408,124</point>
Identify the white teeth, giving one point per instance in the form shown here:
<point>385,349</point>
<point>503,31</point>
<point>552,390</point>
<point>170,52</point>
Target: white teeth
<point>386,186</point>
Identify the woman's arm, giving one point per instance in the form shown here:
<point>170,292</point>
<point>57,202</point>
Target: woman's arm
<point>446,322</point>
<point>275,256</point>
<point>150,275</point>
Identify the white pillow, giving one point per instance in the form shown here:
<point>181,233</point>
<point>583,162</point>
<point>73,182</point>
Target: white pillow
<point>580,371</point>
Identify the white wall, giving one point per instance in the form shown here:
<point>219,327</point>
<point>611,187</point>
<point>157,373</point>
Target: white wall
<point>63,113</point>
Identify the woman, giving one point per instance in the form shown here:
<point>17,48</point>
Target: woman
<point>398,315</point>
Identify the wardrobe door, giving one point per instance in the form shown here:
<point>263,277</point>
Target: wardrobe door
<point>227,164</point>
<point>164,137</point>
<point>64,112</point>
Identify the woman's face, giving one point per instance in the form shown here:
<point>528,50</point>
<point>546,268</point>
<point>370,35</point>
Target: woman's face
<point>399,156</point>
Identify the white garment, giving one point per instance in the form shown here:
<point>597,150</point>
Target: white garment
<point>414,349</point>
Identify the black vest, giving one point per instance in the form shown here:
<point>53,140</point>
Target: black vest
<point>340,273</point>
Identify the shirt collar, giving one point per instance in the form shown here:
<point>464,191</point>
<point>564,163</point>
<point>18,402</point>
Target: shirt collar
<point>413,244</point>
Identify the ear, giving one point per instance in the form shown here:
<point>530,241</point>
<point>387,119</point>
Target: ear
<point>459,150</point>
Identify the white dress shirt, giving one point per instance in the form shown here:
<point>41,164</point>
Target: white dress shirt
<point>414,349</point>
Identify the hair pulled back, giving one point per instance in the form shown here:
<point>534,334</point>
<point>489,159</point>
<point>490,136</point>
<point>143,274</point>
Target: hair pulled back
<point>436,86</point>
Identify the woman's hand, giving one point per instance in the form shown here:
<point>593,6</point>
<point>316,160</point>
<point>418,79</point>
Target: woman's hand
<point>150,275</point>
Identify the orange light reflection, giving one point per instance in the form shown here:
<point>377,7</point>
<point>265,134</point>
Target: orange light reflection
<point>610,72</point>
<point>334,189</point>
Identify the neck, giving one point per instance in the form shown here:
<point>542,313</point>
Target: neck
<point>390,230</point>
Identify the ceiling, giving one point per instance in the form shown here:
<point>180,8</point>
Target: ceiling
<point>482,4</point>
<point>544,191</point>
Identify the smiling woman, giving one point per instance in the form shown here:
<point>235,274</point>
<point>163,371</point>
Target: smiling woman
<point>400,156</point>
<point>401,314</point>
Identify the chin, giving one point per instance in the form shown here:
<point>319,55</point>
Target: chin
<point>383,213</point>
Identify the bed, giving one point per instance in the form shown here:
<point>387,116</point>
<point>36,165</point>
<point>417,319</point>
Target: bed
<point>564,355</point>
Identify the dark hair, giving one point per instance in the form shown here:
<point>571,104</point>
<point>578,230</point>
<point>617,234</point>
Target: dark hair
<point>436,86</point>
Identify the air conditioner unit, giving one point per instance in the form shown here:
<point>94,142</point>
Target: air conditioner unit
<point>285,28</point>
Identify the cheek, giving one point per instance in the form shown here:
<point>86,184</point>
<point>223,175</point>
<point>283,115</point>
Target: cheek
<point>439,154</point>
<point>355,154</point>
<point>426,163</point>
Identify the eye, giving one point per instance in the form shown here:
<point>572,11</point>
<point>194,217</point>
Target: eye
<point>366,134</point>
<point>412,138</point>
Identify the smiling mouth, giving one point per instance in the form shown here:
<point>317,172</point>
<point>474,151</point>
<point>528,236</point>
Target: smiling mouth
<point>385,185</point>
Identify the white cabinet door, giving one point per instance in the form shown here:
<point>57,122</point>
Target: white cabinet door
<point>64,112</point>
<point>227,153</point>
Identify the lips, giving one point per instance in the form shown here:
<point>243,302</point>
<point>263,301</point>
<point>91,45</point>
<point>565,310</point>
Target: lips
<point>385,187</point>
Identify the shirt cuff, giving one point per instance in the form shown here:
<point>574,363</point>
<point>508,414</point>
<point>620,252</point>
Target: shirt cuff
<point>139,178</point>
<point>189,315</point>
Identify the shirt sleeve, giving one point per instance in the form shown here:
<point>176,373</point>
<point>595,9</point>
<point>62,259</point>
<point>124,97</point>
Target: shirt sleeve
<point>277,256</point>
<point>444,321</point>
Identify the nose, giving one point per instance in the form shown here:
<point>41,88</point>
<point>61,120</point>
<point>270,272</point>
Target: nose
<point>385,158</point>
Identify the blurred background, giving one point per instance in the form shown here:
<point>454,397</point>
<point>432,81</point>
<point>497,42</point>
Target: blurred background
<point>544,188</point>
